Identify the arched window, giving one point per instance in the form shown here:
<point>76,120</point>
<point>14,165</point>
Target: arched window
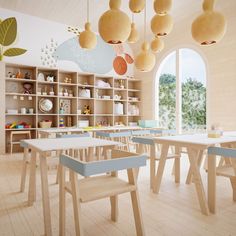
<point>181,91</point>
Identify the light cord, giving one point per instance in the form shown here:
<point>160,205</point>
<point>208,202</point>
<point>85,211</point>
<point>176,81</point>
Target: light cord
<point>87,10</point>
<point>145,20</point>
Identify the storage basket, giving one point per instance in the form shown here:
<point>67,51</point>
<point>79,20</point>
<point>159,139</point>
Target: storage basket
<point>45,124</point>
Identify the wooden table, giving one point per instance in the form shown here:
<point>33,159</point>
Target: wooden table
<point>41,147</point>
<point>195,145</point>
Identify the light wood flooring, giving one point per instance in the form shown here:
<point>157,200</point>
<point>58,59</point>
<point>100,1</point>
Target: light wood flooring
<point>174,211</point>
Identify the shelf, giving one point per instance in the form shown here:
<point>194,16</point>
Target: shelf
<point>103,114</point>
<point>20,80</point>
<point>85,86</point>
<point>46,82</point>
<point>101,99</point>
<point>67,97</point>
<point>134,90</point>
<point>82,98</point>
<point>67,114</point>
<point>48,96</point>
<point>66,84</point>
<point>133,115</point>
<point>20,94</point>
<point>120,89</point>
<point>130,101</point>
<point>47,114</point>
<point>119,115</point>
<point>104,88</point>
<point>21,129</point>
<point>86,115</point>
<point>120,100</point>
<point>19,114</point>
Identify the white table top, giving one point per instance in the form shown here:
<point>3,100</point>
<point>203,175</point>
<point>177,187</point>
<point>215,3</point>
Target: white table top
<point>59,130</point>
<point>66,143</point>
<point>197,139</point>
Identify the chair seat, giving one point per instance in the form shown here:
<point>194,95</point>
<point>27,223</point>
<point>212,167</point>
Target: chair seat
<point>94,188</point>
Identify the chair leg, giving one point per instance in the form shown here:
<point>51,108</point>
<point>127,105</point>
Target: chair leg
<point>114,208</point>
<point>62,202</point>
<point>76,203</point>
<point>233,184</point>
<point>11,144</point>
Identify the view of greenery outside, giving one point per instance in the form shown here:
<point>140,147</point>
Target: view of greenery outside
<point>193,103</point>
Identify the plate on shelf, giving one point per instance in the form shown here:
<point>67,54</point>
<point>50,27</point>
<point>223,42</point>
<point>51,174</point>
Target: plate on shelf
<point>45,105</point>
<point>41,77</point>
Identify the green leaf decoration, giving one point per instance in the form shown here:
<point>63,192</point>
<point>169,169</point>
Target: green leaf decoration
<point>8,31</point>
<point>12,52</point>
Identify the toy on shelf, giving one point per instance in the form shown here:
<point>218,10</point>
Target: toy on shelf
<point>61,110</point>
<point>27,88</point>
<point>67,80</point>
<point>20,125</point>
<point>121,83</point>
<point>87,110</point>
<point>27,75</point>
<point>19,75</point>
<point>50,78</point>
<point>51,92</point>
<point>61,122</point>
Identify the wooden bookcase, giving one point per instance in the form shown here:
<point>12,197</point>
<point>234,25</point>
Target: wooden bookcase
<point>102,102</point>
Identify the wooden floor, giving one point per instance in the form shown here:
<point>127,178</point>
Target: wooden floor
<point>174,211</point>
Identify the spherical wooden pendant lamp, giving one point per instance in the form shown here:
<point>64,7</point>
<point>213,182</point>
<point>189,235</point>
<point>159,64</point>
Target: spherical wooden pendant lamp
<point>146,60</point>
<point>136,6</point>
<point>162,7</point>
<point>114,25</point>
<point>161,25</point>
<point>134,35</point>
<point>87,39</point>
<point>157,45</point>
<point>209,27</point>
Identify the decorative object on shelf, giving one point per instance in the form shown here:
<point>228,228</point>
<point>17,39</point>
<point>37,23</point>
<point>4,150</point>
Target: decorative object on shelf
<point>19,75</point>
<point>22,98</point>
<point>20,125</point>
<point>50,78</point>
<point>12,87</point>
<point>65,104</point>
<point>109,30</point>
<point>133,124</point>
<point>27,75</point>
<point>117,97</point>
<point>66,94</point>
<point>136,6</point>
<point>121,83</point>
<point>68,80</point>
<point>30,98</point>
<point>45,124</point>
<point>60,92</point>
<point>83,123</point>
<point>12,111</point>
<point>11,75</point>
<point>145,61</point>
<point>85,93</point>
<point>157,44</point>
<point>133,109</point>
<point>210,26</point>
<point>39,92</point>
<point>8,37</point>
<point>106,97</point>
<point>27,88</point>
<point>96,95</point>
<point>45,91</point>
<point>51,92</point>
<point>119,108</point>
<point>79,112</point>
<point>61,122</point>
<point>162,7</point>
<point>41,77</point>
<point>87,110</point>
<point>87,38</point>
<point>31,111</point>
<point>15,97</point>
<point>71,93</point>
<point>102,84</point>
<point>134,35</point>
<point>23,110</point>
<point>135,99</point>
<point>45,105</point>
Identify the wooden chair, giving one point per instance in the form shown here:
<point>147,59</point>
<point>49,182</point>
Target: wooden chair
<point>98,187</point>
<point>138,146</point>
<point>229,168</point>
<point>15,133</point>
<point>122,137</point>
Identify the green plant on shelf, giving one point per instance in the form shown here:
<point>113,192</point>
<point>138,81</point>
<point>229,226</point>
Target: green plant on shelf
<point>8,33</point>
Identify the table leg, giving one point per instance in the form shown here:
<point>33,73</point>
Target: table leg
<point>193,157</point>
<point>45,194</point>
<point>160,169</point>
<point>212,183</point>
<point>24,169</point>
<point>177,165</point>
<point>32,179</point>
<point>152,165</point>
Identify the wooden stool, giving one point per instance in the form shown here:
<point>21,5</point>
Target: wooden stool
<point>98,187</point>
<point>20,132</point>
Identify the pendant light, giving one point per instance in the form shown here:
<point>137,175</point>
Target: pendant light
<point>114,25</point>
<point>134,35</point>
<point>161,25</point>
<point>209,27</point>
<point>136,6</point>
<point>157,44</point>
<point>162,7</point>
<point>87,39</point>
<point>145,61</point>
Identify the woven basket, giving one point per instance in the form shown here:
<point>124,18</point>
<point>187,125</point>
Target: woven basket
<point>45,124</point>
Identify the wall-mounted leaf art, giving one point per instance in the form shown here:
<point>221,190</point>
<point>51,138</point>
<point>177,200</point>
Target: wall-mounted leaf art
<point>8,32</point>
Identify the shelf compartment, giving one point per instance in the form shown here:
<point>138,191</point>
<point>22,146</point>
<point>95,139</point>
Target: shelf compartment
<point>67,105</point>
<point>104,120</point>
<point>54,101</point>
<point>120,120</point>
<point>103,107</point>
<point>83,103</point>
<point>67,78</point>
<point>20,70</point>
<point>85,79</point>
<point>48,72</point>
<point>89,118</point>
<point>69,120</point>
<point>53,118</point>
<point>100,82</point>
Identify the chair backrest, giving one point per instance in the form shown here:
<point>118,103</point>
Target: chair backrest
<point>73,135</point>
<point>140,132</point>
<point>113,134</point>
<point>225,152</point>
<point>120,160</point>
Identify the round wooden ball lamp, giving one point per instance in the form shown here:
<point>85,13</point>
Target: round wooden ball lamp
<point>145,61</point>
<point>162,7</point>
<point>114,26</point>
<point>134,35</point>
<point>209,27</point>
<point>136,6</point>
<point>157,45</point>
<point>87,39</point>
<point>161,25</point>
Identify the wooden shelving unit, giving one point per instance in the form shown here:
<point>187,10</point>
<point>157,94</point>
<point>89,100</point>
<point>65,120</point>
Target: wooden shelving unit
<point>102,100</point>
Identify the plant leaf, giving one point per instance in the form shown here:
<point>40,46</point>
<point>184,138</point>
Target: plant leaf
<point>8,31</point>
<point>12,52</point>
